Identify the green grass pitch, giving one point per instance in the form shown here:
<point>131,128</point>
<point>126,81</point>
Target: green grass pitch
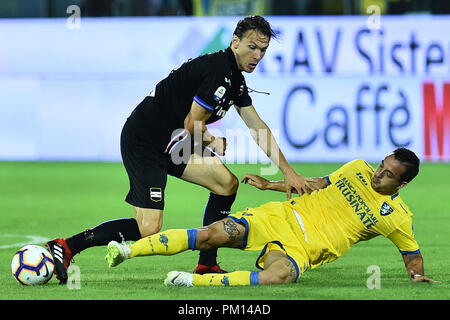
<point>59,199</point>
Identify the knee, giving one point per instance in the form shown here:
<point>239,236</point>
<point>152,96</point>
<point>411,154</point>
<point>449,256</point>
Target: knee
<point>228,186</point>
<point>205,239</point>
<point>149,227</point>
<point>149,221</point>
<point>209,238</point>
<point>276,276</point>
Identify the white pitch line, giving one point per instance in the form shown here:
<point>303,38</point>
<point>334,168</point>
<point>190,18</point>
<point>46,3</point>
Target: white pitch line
<point>31,239</point>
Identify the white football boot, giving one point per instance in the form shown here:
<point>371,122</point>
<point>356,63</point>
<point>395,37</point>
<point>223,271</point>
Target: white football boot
<point>179,278</point>
<point>117,253</point>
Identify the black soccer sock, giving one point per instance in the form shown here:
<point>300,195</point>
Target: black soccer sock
<point>119,230</point>
<point>217,208</point>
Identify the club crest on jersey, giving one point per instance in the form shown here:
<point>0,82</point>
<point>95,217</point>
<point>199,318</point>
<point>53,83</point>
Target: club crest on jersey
<point>155,194</point>
<point>385,209</point>
<point>219,93</point>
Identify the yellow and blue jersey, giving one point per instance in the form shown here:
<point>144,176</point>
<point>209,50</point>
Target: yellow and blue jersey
<point>319,227</point>
<point>348,211</point>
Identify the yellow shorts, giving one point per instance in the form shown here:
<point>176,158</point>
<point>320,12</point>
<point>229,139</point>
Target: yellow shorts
<point>273,226</point>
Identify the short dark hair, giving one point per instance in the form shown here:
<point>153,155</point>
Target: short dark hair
<point>254,23</point>
<point>410,161</point>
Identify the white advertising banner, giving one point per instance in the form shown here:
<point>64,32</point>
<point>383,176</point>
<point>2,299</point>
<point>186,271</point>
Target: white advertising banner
<point>339,118</point>
<point>340,87</point>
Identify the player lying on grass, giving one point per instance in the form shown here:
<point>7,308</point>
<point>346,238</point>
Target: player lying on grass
<point>355,203</point>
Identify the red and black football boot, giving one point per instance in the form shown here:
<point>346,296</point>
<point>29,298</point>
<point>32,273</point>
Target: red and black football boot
<point>202,269</point>
<point>62,257</point>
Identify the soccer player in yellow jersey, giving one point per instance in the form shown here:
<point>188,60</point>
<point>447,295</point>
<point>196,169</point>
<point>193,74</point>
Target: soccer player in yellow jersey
<point>354,203</point>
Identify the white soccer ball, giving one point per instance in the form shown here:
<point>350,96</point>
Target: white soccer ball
<point>32,265</point>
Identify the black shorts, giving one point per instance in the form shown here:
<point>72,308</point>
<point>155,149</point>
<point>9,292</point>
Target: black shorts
<point>147,170</point>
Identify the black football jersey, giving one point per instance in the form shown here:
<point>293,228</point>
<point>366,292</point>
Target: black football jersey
<point>212,80</point>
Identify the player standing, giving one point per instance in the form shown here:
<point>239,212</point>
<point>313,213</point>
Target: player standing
<point>199,92</point>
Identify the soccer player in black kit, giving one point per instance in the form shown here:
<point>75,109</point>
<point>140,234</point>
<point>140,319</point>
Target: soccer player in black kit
<point>199,92</point>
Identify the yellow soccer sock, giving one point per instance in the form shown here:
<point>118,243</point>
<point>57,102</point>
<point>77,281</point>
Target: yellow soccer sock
<point>236,278</point>
<point>164,243</point>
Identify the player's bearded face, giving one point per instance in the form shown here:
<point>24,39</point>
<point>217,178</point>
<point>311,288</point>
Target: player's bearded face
<point>387,177</point>
<point>250,49</point>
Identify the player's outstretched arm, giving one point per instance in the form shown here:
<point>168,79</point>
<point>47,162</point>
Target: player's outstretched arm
<point>414,266</point>
<point>318,183</point>
<point>264,184</point>
<point>263,136</point>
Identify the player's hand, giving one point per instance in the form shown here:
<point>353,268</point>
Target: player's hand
<point>219,145</point>
<point>420,278</point>
<point>256,181</point>
<point>296,182</point>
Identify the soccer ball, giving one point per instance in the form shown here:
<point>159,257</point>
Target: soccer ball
<point>32,265</point>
